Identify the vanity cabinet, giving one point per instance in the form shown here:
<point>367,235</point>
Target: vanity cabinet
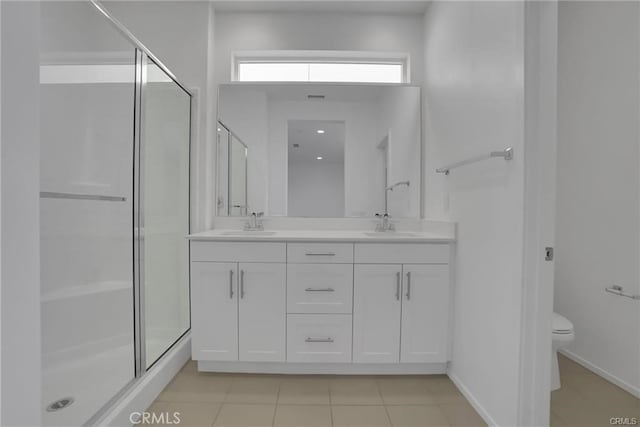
<point>238,308</point>
<point>400,313</point>
<point>323,307</point>
<point>214,307</point>
<point>425,313</point>
<point>377,302</point>
<point>261,312</point>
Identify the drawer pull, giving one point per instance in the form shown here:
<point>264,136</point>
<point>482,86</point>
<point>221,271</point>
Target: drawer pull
<point>230,284</point>
<point>320,290</point>
<point>309,339</point>
<point>320,254</point>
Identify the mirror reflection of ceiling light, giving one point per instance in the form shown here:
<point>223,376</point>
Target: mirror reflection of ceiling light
<point>319,158</point>
<point>320,131</point>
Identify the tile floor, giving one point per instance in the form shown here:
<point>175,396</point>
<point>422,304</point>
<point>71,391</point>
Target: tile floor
<point>206,399</point>
<point>585,399</point>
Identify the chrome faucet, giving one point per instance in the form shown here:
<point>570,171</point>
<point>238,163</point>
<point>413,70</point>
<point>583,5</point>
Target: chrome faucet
<point>255,222</point>
<point>385,223</point>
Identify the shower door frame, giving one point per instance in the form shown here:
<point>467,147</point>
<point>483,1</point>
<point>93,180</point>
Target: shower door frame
<point>142,57</point>
<point>142,61</point>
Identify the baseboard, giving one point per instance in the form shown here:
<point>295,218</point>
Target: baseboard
<point>324,368</point>
<point>601,372</point>
<point>472,400</point>
<point>145,390</point>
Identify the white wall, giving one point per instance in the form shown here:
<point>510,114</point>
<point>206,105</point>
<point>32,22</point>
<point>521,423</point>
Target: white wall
<point>178,33</point>
<point>0,218</point>
<point>541,69</point>
<point>474,54</point>
<point>317,31</point>
<point>316,189</point>
<point>21,381</point>
<point>598,193</point>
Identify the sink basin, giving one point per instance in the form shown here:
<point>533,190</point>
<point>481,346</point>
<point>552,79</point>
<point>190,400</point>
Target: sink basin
<point>248,233</point>
<point>391,234</point>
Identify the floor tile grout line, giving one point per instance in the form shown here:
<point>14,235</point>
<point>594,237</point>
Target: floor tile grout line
<point>275,409</point>
<point>386,410</point>
<point>217,414</point>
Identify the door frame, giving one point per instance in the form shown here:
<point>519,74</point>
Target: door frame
<point>540,131</point>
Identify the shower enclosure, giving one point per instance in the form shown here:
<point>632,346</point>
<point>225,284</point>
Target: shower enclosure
<point>115,137</point>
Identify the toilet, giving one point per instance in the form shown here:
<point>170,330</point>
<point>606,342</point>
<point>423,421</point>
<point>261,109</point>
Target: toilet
<point>561,336</point>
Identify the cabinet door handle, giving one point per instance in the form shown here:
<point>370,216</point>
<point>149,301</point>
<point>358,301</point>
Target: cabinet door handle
<point>241,284</point>
<point>320,290</point>
<point>409,285</point>
<point>230,284</point>
<point>398,286</point>
<point>320,254</point>
<point>328,339</point>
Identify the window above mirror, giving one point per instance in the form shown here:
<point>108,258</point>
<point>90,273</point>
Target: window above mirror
<point>320,66</point>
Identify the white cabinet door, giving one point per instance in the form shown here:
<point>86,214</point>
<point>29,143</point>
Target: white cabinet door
<point>376,313</point>
<point>262,315</point>
<point>214,310</point>
<point>425,313</point>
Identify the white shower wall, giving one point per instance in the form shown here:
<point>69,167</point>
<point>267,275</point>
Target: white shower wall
<point>86,251</point>
<point>598,196</point>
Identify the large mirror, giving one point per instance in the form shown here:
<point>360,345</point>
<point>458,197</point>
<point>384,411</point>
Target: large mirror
<point>316,150</point>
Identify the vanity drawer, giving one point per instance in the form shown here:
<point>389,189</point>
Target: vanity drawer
<point>319,338</point>
<point>402,253</point>
<point>319,288</point>
<point>238,251</point>
<point>320,253</point>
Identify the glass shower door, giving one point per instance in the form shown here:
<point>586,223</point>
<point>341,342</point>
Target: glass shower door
<point>164,211</point>
<point>87,83</point>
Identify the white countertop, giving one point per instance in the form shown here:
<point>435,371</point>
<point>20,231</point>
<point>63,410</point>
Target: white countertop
<point>321,236</point>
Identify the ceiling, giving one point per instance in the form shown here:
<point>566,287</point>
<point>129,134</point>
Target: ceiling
<point>329,145</point>
<point>370,6</point>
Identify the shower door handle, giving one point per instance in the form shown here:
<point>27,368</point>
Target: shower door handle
<point>230,284</point>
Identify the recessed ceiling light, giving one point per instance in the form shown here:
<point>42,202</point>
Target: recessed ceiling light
<point>320,131</point>
<point>219,130</point>
<point>319,158</point>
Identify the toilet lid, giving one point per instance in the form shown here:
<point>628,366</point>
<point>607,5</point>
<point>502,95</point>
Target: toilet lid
<point>561,324</point>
